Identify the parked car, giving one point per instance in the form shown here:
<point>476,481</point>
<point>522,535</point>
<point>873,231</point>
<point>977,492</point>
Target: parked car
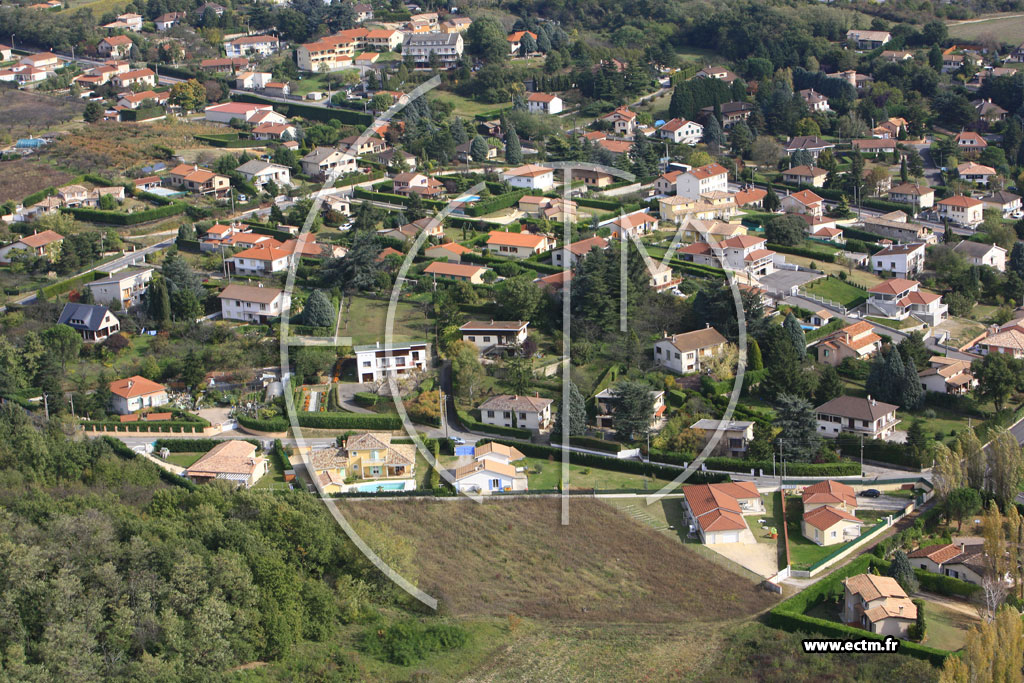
<point>871,493</point>
<point>457,440</point>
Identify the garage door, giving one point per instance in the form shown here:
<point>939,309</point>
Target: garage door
<point>729,537</point>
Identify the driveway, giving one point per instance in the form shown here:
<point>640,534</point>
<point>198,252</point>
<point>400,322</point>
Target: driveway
<point>787,280</point>
<point>883,502</point>
<point>760,558</point>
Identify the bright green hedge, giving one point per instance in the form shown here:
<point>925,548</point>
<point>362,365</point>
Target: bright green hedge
<point>143,113</point>
<point>308,111</point>
<point>387,198</point>
<point>121,218</point>
<point>349,421</point>
<point>193,445</point>
<point>274,424</point>
<point>67,285</point>
<point>606,204</point>
<point>37,197</point>
<point>591,443</point>
<point>937,583</point>
<point>496,203</point>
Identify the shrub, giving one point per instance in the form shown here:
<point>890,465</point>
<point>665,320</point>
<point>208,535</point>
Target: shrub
<point>918,629</point>
<point>192,445</point>
<point>407,642</point>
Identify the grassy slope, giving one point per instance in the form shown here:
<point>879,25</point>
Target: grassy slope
<point>1005,27</point>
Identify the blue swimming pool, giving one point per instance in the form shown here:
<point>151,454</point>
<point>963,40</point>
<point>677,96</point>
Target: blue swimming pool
<point>381,486</point>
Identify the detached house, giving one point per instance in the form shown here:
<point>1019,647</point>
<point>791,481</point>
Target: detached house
<point>829,492</point>
<point>853,341</point>
<point>701,180</point>
<point>135,393</point>
<point>115,46</point>
<point>568,255</point>
<point>808,143</point>
<point>962,210</point>
<point>747,253</point>
<point>488,476</point>
<point>828,526</point>
<point>494,334</point>
<point>805,202</point>
<point>805,175</point>
<point>250,304</point>
<point>918,196</point>
<point>980,254</point>
<point>137,77</point>
<point>715,511</point>
<point>263,259</point>
<point>260,173</point>
<point>234,461</point>
<point>732,113</point>
<point>323,162</point>
<point>517,245</point>
<point>376,362</point>
<point>684,353</point>
<point>899,260</point>
<point>736,435</point>
<point>95,323</point>
<point>530,177</point>
<point>197,180</point>
<point>975,173</point>
<point>970,141</point>
<point>126,287</point>
<point>947,376</point>
<point>623,121</point>
<point>957,560</point>
<point>868,40</point>
<point>634,225</point>
<point>855,415</point>
<point>243,46</point>
<point>543,103</point>
<point>523,412</point>
<point>877,604</point>
<point>459,272</point>
<point>681,132</point>
<point>899,299</point>
<point>1006,203</point>
<point>46,243</point>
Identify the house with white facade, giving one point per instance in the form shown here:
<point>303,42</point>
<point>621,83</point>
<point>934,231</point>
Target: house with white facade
<point>250,304</point>
<point>132,394</point>
<point>946,375</point>
<point>899,299</point>
<point>686,352</point>
<point>530,177</point>
<point>681,131</point>
<point>697,181</point>
<point>376,362</point>
<point>918,196</point>
<point>856,415</point>
<point>260,173</point>
<point>736,435</point>
<point>899,260</point>
<point>715,512</point>
<point>486,335</point>
<point>981,254</point>
<point>543,103</point>
<point>262,259</point>
<point>524,412</point>
<point>244,46</point>
<point>125,287</point>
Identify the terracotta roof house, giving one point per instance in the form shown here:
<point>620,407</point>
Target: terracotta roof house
<point>486,476</point>
<point>970,141</point>
<point>804,201</point>
<point>568,255</point>
<point>715,511</point>
<point>877,604</point>
<point>132,394</point>
<point>46,243</point>
<point>234,461</point>
<point>853,341</point>
<point>452,251</point>
<point>517,245</point>
<point>919,196</point>
<point>827,525</point>
<point>829,492</point>
<point>456,271</point>
<point>947,376</point>
<point>962,210</point>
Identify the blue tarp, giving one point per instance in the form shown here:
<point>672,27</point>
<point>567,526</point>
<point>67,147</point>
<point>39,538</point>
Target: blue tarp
<point>463,451</point>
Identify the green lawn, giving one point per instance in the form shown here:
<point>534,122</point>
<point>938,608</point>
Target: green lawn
<point>183,459</point>
<point>802,551</point>
<point>835,289</point>
<point>895,324</point>
<point>772,511</point>
<point>364,320</point>
<point>463,107</point>
<point>946,627</point>
<point>1006,28</point>
<point>583,477</point>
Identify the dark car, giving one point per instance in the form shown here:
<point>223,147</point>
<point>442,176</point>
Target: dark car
<point>871,493</point>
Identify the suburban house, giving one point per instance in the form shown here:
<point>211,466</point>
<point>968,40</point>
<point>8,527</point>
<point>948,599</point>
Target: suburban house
<point>137,77</point>
<point>550,208</point>
<point>262,259</point>
<point>46,243</point>
<point>530,177</point>
<point>243,46</point>
<point>1006,203</point>
<point>452,251</point>
<point>495,452</point>
<point>877,604</point>
<point>746,253</point>
<point>947,376</point>
<point>975,173</point>
<point>446,47</point>
<point>234,461</point>
<point>252,80</point>
<point>855,415</point>
<point>169,20</point>
<point>853,341</point>
<point>95,323</point>
<point>808,143</point>
<point>895,226</point>
<point>890,128</point>
<point>715,511</point>
<point>568,255</point>
<point>683,353</point>
<point>407,184</point>
<point>225,64</point>
<point>592,178</point>
<point>260,173</point>
<point>898,299</point>
<point>868,40</point>
<point>115,46</point>
<point>372,455</point>
<point>242,111</point>
<point>488,476</point>
<point>456,271</point>
<point>831,493</point>
<point>805,202</point>
<point>524,412</point>
<point>494,334</point>
<point>125,287</point>
<point>681,131</point>
<point>827,525</point>
<point>970,141</point>
<point>274,131</point>
<point>665,184</point>
<point>1008,340</point>
<point>250,304</point>
<point>623,121</point>
<point>918,196</point>
<point>719,73</point>
<point>517,244</point>
<point>899,260</point>
<point>329,53</point>
<point>197,180</point>
<point>805,175</point>
<point>375,362</point>
<point>634,225</point>
<point>874,145</point>
<point>543,103</point>
<point>814,100</point>
<point>697,181</point>
<point>325,161</point>
<point>736,435</point>
<point>132,394</point>
<point>981,254</point>
<point>957,560</point>
<point>606,400</point>
<point>732,112</point>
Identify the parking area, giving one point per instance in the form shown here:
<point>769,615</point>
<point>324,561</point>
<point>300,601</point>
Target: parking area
<point>760,558</point>
<point>787,280</point>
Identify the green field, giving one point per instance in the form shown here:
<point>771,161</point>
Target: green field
<point>835,289</point>
<point>97,7</point>
<point>183,459</point>
<point>464,107</point>
<point>1006,28</point>
<point>364,320</point>
<point>895,324</point>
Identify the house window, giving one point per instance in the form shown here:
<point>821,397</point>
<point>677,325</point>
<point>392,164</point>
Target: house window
<point>490,413</point>
<point>367,363</point>
<point>472,338</point>
<point>495,485</point>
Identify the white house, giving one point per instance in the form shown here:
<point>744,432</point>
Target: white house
<point>899,260</point>
<point>543,103</point>
<point>376,362</point>
<point>855,415</point>
<point>135,393</point>
<point>684,353</point>
<point>681,131</point>
<point>494,334</point>
<point>947,376</point>
<point>327,161</point>
<point>957,560</point>
<point>918,196</point>
<point>486,476</point>
<point>250,304</point>
<point>243,111</point>
<point>125,287</point>
<point>828,525</point>
<point>697,181</point>
<point>980,254</point>
<point>568,255</point>
<point>878,605</point>
<point>46,243</point>
<point>259,173</point>
<point>94,322</point>
<point>1006,203</point>
<point>524,412</point>
<point>805,202</point>
<point>899,299</point>
<point>262,259</point>
<point>530,177</point>
<point>243,46</point>
<point>976,173</point>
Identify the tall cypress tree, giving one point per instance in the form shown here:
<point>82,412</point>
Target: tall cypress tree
<point>513,150</point>
<point>796,335</point>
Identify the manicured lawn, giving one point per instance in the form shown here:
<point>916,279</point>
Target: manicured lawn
<point>835,289</point>
<point>183,459</point>
<point>583,477</point>
<point>895,324</point>
<point>463,107</point>
<point>773,513</point>
<point>860,277</point>
<point>364,320</point>
<point>802,551</point>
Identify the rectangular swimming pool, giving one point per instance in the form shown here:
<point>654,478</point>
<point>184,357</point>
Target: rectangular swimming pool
<point>381,486</point>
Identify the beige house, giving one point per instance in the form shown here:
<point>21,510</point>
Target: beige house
<point>962,210</point>
<point>736,435</point>
<point>234,461</point>
<point>956,560</point>
<point>877,604</point>
<point>827,525</point>
<point>456,271</point>
<point>524,412</point>
<point>805,202</point>
<point>918,196</point>
<point>981,254</point>
<point>831,493</point>
<point>568,255</point>
<point>492,334</point>
<point>250,304</point>
<point>805,175</point>
<point>451,251</point>
<point>715,511</point>
<point>947,376</point>
<point>685,353</point>
<point>853,341</point>
<point>517,245</point>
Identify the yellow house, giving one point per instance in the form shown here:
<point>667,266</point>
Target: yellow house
<point>372,456</point>
<point>714,231</point>
<point>330,467</point>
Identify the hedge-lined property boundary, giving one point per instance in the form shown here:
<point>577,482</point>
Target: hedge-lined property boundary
<point>307,111</point>
<point>471,423</point>
<point>193,445</point>
<point>324,421</point>
<point>125,453</point>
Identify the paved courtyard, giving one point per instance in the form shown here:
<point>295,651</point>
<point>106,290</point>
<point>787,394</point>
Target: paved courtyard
<point>760,558</point>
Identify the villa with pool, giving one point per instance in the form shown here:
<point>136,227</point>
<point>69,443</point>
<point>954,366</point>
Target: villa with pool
<point>365,462</point>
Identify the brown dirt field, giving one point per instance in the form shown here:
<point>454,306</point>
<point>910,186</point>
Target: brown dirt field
<point>22,113</point>
<point>22,177</point>
<point>514,556</point>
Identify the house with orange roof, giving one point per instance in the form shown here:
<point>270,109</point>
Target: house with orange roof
<point>615,146</point>
<point>681,131</point>
<point>969,141</point>
<point>261,260</point>
<point>715,511</point>
<point>947,376</point>
<point>132,394</point>
<point>828,525</point>
<point>754,197</point>
<point>234,461</point>
<point>459,272</point>
<point>853,341</point>
<point>515,41</point>
<point>197,180</point>
<point>829,492</point>
<point>623,120</point>
<point>959,560</point>
<point>451,251</point>
<point>136,77</point>
<point>555,283</point>
<point>114,46</point>
<point>703,179</point>
<point>517,245</point>
<point>567,256</point>
<point>747,253</point>
<point>962,210</point>
<point>805,175</point>
<point>382,40</point>
<point>634,224</point>
<point>1008,340</point>
<point>804,201</point>
<point>543,103</point>
<point>899,299</point>
<point>46,243</point>
<point>274,131</point>
<point>877,604</point>
<point>665,184</point>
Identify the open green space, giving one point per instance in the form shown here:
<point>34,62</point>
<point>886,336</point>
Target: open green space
<point>895,324</point>
<point>1006,28</point>
<point>463,106</point>
<point>364,320</point>
<point>838,291</point>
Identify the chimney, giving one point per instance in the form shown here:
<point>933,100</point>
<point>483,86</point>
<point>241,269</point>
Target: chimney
<point>130,384</point>
<point>378,344</point>
<point>901,609</point>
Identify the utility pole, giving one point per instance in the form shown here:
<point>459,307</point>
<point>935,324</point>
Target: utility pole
<point>862,455</point>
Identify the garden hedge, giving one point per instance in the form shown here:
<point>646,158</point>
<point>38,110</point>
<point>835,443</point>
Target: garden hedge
<point>793,469</point>
<point>592,443</point>
<point>193,445</point>
<point>143,113</point>
<point>274,424</point>
<point>308,111</point>
<point>37,197</point>
<point>605,204</point>
<point>937,583</point>
<point>801,251</point>
<point>387,198</point>
<point>876,449</point>
<point>469,422</point>
<point>125,453</point>
<point>65,286</point>
<point>496,203</point>
<point>121,218</point>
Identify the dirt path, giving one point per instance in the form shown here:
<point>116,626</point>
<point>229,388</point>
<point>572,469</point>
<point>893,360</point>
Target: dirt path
<point>960,606</point>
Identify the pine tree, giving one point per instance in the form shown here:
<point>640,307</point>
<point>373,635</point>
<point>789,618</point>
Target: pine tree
<point>1017,258</point>
<point>513,150</point>
<point>478,149</point>
<point>458,131</point>
<point>796,418</point>
<point>318,311</point>
<point>159,301</point>
<point>771,200</point>
<point>796,335</point>
<point>901,570</point>
<point>713,135</point>
<point>904,174</point>
<point>573,407</point>
<point>830,385</point>
<point>754,359</point>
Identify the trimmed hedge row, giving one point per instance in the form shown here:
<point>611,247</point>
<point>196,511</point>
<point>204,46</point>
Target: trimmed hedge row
<point>469,422</point>
<point>801,251</point>
<point>143,113</point>
<point>307,111</point>
<point>388,198</point>
<point>937,583</point>
<point>37,197</point>
<point>366,399</point>
<point>67,285</point>
<point>532,450</point>
<point>236,143</point>
<point>605,204</point>
<point>876,449</point>
<point>193,445</point>
<point>486,259</point>
<point>492,204</point>
<point>349,421</point>
<point>592,443</point>
<point>793,469</point>
<point>121,218</point>
<point>274,424</point>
